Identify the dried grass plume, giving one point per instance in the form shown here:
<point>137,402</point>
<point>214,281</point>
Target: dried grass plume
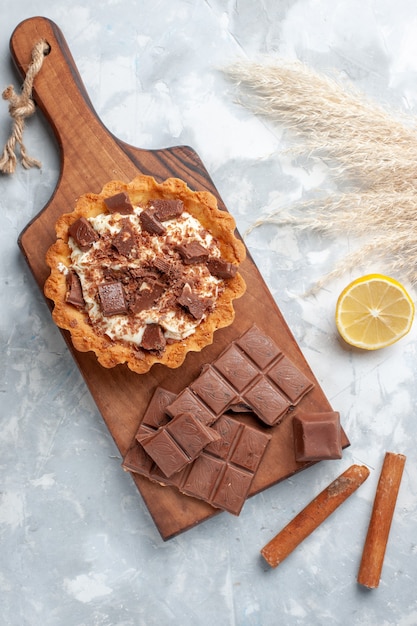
<point>369,149</point>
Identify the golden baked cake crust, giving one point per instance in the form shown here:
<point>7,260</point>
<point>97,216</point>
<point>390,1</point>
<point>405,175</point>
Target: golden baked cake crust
<point>86,335</point>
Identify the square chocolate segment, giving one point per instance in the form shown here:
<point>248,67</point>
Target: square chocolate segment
<point>83,233</point>
<point>192,252</point>
<point>191,434</point>
<point>112,298</point>
<point>232,490</point>
<point>124,241</point>
<point>222,473</point>
<point>266,401</point>
<point>317,436</point>
<point>166,453</point>
<point>290,379</point>
<point>187,402</point>
<point>227,429</point>
<point>213,390</point>
<point>249,452</point>
<point>236,368</point>
<point>261,349</point>
<point>202,477</point>
<point>155,415</point>
<point>74,293</point>
<point>137,460</point>
<point>166,209</point>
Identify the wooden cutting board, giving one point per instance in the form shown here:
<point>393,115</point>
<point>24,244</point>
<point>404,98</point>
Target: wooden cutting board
<point>90,157</point>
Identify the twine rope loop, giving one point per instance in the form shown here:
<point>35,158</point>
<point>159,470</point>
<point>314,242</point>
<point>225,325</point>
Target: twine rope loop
<point>22,106</point>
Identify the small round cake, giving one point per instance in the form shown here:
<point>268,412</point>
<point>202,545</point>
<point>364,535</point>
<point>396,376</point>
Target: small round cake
<point>144,272</point>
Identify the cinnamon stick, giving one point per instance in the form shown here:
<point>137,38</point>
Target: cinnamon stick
<point>381,518</point>
<point>314,514</point>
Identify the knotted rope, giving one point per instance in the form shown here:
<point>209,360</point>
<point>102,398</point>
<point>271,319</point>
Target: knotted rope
<point>22,106</point>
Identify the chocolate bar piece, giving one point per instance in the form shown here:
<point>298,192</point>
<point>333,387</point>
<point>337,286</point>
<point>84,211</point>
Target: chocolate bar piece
<point>192,252</point>
<point>145,298</point>
<point>178,442</point>
<point>119,203</point>
<point>74,293</point>
<point>192,302</point>
<point>252,374</point>
<point>317,436</point>
<point>208,397</point>
<point>124,241</point>
<point>187,402</point>
<point>221,475</point>
<point>221,268</point>
<point>83,234</point>
<point>289,378</point>
<point>155,414</point>
<point>153,338</point>
<point>166,209</point>
<point>112,298</point>
<point>150,223</point>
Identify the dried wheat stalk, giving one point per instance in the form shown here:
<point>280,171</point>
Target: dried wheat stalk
<point>367,147</point>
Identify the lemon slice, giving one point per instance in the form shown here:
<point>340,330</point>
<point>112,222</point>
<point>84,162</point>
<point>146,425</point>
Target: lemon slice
<point>373,312</point>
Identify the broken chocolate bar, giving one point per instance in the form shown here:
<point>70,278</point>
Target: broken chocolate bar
<point>221,475</point>
<point>252,374</point>
<point>178,442</point>
<point>317,436</point>
<point>112,298</point>
<point>247,375</point>
<point>83,234</point>
<point>119,203</point>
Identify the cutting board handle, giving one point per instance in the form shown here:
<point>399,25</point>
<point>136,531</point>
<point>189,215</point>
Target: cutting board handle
<point>60,93</point>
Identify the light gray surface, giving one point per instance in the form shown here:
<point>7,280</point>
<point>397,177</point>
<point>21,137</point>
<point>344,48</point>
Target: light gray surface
<point>78,546</point>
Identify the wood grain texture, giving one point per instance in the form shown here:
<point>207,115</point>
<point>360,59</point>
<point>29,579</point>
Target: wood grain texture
<point>90,157</point>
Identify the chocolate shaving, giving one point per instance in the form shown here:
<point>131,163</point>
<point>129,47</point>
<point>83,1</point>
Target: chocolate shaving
<point>119,203</point>
<point>83,233</point>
